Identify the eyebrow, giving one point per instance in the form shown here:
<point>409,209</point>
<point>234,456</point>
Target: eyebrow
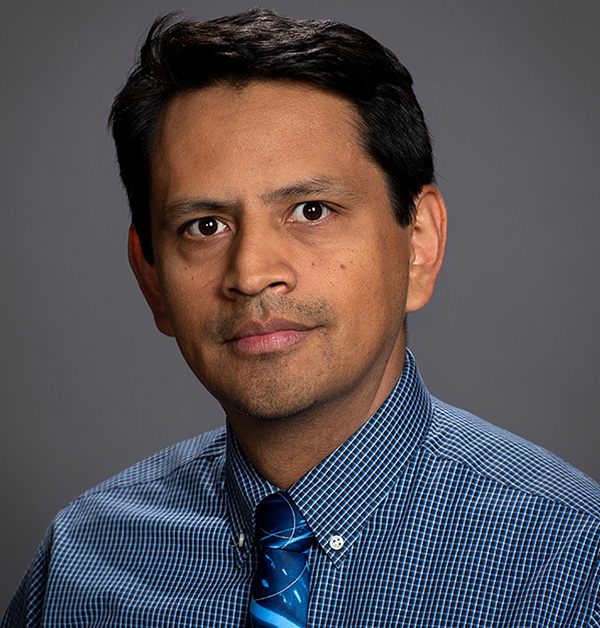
<point>190,206</point>
<point>319,187</point>
<point>316,186</point>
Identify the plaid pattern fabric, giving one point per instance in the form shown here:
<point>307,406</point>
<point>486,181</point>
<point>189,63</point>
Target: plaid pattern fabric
<point>426,517</point>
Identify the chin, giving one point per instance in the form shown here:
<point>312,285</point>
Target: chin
<point>272,409</point>
<point>272,400</point>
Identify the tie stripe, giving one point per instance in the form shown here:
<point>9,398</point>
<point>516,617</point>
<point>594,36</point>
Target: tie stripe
<point>281,585</point>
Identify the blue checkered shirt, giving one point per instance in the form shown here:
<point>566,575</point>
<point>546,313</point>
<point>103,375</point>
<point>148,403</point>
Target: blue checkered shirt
<point>426,517</point>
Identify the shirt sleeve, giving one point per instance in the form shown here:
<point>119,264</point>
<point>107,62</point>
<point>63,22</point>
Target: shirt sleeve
<point>27,605</point>
<point>594,621</point>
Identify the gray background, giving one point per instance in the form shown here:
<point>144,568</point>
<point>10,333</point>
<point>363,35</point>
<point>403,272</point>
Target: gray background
<point>511,92</point>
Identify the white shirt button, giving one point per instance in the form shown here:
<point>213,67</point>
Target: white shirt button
<point>336,542</point>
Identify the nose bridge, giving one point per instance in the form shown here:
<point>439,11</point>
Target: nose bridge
<point>259,257</point>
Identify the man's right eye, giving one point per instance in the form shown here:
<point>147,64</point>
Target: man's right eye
<point>204,227</point>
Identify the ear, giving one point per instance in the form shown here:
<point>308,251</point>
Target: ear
<point>147,278</point>
<point>428,245</point>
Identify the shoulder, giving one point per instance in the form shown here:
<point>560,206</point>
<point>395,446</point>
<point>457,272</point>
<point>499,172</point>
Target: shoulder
<point>509,460</point>
<point>201,452</point>
<point>138,515</point>
<point>169,477</point>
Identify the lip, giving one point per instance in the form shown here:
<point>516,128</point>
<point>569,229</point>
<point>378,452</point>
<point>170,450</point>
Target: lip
<point>274,334</point>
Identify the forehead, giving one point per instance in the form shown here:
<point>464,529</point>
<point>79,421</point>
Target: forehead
<point>224,140</point>
<point>262,103</point>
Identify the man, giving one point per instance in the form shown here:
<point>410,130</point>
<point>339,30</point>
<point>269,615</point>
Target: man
<point>280,178</point>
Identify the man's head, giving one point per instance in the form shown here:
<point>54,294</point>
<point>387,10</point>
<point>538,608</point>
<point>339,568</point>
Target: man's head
<point>281,258</point>
<point>262,45</point>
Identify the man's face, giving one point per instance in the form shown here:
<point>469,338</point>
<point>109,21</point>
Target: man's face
<point>282,271</point>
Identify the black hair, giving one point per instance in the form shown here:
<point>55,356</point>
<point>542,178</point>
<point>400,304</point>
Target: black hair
<point>256,45</point>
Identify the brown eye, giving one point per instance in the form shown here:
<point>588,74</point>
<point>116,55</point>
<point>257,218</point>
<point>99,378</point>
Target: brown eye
<point>208,226</point>
<point>204,227</point>
<point>310,212</point>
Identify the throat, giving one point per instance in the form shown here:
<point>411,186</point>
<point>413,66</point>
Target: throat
<point>283,450</point>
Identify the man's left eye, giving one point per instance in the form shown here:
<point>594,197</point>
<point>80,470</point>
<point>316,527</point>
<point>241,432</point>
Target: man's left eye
<point>310,212</point>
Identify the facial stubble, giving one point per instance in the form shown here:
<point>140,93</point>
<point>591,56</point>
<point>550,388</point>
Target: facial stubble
<point>272,386</point>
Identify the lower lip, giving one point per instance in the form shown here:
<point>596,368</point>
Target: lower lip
<point>265,343</point>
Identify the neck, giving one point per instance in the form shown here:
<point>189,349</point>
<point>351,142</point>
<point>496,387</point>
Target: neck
<point>283,450</point>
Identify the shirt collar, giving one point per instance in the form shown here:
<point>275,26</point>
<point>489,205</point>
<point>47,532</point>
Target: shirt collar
<point>338,496</point>
<point>245,488</point>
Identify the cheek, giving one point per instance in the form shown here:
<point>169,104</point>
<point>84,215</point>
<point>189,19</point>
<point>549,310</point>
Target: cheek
<point>187,295</point>
<point>365,284</point>
<point>383,281</point>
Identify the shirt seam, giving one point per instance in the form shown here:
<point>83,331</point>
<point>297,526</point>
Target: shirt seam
<point>438,456</point>
<point>95,490</point>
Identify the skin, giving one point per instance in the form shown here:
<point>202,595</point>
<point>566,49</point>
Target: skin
<point>279,266</point>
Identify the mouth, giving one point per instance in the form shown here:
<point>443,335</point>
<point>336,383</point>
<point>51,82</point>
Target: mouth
<point>272,335</point>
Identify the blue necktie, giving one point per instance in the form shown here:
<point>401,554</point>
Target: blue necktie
<point>280,593</point>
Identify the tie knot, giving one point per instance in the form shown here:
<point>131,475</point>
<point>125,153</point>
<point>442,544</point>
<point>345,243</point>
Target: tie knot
<point>280,524</point>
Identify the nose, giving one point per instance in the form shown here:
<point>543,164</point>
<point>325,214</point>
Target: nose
<point>259,259</point>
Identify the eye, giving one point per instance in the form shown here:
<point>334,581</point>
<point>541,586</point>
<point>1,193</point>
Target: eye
<point>310,211</point>
<point>205,227</point>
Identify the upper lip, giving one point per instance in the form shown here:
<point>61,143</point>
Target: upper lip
<point>270,326</point>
